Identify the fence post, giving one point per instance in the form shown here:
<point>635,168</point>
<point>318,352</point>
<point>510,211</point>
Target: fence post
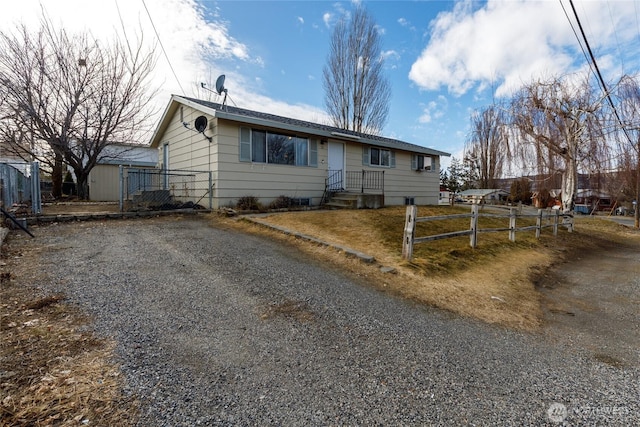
<point>409,232</point>
<point>570,223</point>
<point>121,187</point>
<point>210,190</point>
<point>539,223</point>
<point>512,224</point>
<point>36,194</point>
<point>474,225</point>
<point>555,222</point>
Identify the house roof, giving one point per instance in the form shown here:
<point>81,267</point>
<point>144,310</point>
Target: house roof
<point>286,123</point>
<point>128,154</point>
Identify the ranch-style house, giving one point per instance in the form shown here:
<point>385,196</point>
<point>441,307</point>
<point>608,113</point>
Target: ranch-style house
<point>250,153</point>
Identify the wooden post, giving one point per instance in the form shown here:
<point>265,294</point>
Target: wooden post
<point>555,222</point>
<point>409,232</point>
<point>474,226</point>
<point>539,223</point>
<point>512,224</point>
<point>570,223</point>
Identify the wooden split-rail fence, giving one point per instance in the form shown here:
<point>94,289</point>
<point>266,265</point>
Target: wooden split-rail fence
<point>410,239</point>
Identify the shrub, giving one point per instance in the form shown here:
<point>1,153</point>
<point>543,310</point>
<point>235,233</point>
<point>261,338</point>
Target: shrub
<point>282,202</point>
<point>248,203</point>
<point>521,191</point>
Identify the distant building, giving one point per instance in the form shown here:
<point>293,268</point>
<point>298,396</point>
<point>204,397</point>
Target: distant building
<point>480,196</point>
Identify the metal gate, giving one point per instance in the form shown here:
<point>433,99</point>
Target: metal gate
<point>20,186</point>
<point>160,189</point>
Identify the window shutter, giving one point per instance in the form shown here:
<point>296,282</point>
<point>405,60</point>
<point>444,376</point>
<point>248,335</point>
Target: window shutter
<point>366,160</point>
<point>245,144</point>
<point>392,159</point>
<point>414,162</point>
<point>433,164</point>
<point>313,152</point>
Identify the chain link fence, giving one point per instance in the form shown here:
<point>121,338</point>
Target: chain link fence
<point>20,187</point>
<point>153,189</point>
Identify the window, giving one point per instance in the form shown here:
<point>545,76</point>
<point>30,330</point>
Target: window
<point>419,163</point>
<point>260,146</point>
<point>373,156</point>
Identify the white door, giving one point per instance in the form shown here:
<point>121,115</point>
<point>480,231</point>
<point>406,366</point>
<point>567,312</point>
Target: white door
<point>336,166</point>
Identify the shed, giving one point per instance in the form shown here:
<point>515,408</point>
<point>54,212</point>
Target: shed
<point>104,178</point>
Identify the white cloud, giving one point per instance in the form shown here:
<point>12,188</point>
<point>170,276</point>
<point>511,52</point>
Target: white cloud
<point>434,109</point>
<point>390,54</point>
<point>403,22</point>
<point>300,19</point>
<point>194,45</point>
<point>191,43</point>
<point>327,18</point>
<point>507,42</point>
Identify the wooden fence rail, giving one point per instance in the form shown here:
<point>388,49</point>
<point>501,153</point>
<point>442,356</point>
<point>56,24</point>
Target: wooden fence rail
<point>412,219</point>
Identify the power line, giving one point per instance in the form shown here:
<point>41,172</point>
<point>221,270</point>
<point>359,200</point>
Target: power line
<point>584,52</point>
<point>162,47</point>
<point>599,75</point>
<point>615,32</point>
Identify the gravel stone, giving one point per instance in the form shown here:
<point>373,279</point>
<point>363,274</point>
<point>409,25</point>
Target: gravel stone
<point>215,327</point>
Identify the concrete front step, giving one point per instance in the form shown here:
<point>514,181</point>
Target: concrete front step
<point>343,201</point>
<point>356,201</point>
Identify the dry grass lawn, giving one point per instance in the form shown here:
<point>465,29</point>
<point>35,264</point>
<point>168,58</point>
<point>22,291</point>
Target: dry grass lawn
<point>494,282</point>
<point>52,372</point>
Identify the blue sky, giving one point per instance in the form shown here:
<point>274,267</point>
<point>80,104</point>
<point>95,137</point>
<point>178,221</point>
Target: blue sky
<point>443,58</point>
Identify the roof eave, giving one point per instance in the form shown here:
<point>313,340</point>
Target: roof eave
<point>256,121</point>
<point>328,134</point>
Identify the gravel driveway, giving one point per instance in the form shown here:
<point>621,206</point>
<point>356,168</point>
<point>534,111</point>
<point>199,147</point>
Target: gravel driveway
<point>220,328</point>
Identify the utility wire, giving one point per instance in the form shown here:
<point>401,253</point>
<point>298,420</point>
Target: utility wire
<point>584,52</point>
<point>615,32</point>
<point>599,75</point>
<point>162,47</point>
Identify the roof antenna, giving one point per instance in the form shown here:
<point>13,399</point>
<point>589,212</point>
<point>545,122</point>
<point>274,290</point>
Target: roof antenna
<point>220,88</point>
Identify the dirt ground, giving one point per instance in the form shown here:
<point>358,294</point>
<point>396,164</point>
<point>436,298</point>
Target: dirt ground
<point>79,207</point>
<point>592,302</point>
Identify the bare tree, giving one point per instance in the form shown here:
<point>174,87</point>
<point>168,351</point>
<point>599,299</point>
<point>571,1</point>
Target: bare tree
<point>68,97</point>
<point>356,91</point>
<point>628,91</point>
<point>559,129</point>
<point>487,148</point>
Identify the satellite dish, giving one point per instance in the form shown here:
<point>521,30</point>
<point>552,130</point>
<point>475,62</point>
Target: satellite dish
<point>220,85</point>
<point>201,124</point>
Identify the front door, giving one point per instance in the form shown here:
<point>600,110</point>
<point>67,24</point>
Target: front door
<point>336,166</point>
